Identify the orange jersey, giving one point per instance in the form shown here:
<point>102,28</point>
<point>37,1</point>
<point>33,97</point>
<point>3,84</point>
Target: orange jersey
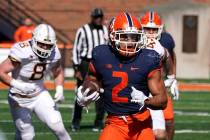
<point>23,33</point>
<point>133,127</point>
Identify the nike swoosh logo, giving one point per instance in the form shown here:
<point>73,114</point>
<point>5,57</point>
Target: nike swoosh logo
<point>134,68</point>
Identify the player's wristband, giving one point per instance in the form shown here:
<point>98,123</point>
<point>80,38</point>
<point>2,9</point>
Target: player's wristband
<point>59,88</point>
<point>172,76</point>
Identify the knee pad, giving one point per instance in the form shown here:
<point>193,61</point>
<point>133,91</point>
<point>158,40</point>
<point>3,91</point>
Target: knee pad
<point>58,128</point>
<point>60,131</point>
<point>26,130</point>
<point>55,123</point>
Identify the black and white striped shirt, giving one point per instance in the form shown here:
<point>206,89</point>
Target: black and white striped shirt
<point>88,37</point>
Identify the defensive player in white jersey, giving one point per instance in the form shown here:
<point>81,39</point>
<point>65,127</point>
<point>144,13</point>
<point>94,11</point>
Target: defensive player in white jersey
<point>152,26</point>
<point>29,62</point>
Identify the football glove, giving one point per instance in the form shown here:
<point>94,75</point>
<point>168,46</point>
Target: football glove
<point>174,90</point>
<point>168,82</point>
<point>172,83</point>
<point>59,97</point>
<point>26,88</point>
<point>137,96</point>
<point>83,99</point>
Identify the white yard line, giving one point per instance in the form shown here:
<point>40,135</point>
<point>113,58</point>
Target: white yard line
<point>91,121</point>
<point>182,131</point>
<point>192,131</point>
<point>59,105</point>
<point>65,105</point>
<point>182,113</point>
<point>3,102</point>
<point>50,133</point>
<point>179,113</point>
<point>192,122</point>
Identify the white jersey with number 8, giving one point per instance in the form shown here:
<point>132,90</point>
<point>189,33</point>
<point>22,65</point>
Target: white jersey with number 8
<point>32,69</point>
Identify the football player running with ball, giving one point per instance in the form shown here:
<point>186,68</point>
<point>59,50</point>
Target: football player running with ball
<point>29,62</point>
<point>127,73</point>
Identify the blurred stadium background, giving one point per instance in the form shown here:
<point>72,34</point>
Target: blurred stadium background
<point>187,20</point>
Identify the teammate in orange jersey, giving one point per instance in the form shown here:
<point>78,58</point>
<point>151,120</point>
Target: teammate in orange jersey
<point>152,26</point>
<point>24,32</point>
<point>128,73</point>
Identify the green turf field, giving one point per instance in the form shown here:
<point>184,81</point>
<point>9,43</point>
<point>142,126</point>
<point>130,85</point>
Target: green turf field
<point>192,117</point>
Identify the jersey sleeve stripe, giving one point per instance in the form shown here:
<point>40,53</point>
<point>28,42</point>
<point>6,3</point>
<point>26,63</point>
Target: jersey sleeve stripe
<point>13,59</point>
<point>152,72</point>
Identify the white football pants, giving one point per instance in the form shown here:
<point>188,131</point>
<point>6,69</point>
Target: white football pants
<point>45,109</point>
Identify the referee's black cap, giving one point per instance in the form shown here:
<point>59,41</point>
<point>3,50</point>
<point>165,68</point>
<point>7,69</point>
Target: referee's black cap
<point>97,12</point>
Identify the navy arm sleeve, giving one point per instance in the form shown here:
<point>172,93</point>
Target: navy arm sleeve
<point>167,42</point>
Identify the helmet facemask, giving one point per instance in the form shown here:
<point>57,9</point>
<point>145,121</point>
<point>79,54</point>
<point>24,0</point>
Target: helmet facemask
<point>42,49</point>
<point>155,35</point>
<point>128,42</point>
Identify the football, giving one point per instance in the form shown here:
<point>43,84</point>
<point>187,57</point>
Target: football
<point>92,85</point>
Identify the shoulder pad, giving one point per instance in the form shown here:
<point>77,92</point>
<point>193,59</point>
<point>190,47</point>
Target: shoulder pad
<point>18,50</point>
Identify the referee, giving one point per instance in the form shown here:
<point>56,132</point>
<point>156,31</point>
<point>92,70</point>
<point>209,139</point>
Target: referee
<point>87,37</point>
